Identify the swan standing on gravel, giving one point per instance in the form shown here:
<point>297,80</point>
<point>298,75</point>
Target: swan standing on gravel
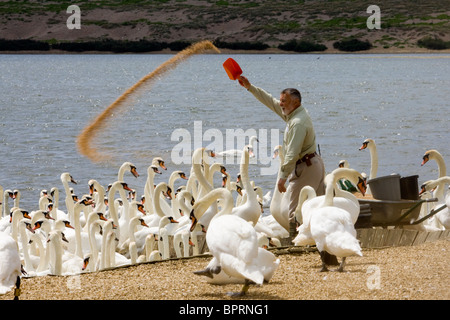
<point>333,231</point>
<point>10,266</point>
<point>233,242</point>
<point>308,201</point>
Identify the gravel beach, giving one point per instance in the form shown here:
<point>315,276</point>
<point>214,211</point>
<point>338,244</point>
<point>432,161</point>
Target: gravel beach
<point>397,273</point>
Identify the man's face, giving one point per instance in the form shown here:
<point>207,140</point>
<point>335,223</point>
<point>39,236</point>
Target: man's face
<point>288,104</point>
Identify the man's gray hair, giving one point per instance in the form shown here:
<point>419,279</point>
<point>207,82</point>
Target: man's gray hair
<point>294,93</point>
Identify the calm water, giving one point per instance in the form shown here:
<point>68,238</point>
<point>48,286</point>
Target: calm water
<point>400,101</point>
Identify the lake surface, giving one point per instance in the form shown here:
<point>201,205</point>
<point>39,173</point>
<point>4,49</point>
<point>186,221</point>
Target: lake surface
<point>400,101</point>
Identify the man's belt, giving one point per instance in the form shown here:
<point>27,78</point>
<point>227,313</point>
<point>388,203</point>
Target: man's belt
<point>307,158</point>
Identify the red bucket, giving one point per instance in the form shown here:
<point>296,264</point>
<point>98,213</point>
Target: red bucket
<point>232,68</point>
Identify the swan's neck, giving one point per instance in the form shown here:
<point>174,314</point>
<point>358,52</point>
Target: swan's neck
<point>373,161</point>
<point>93,243</point>
<point>15,224</point>
<point>204,203</point>
<point>112,207</point>
<point>105,252</point>
<point>149,190</point>
<point>307,193</point>
<point>77,211</point>
<point>5,204</point>
<point>197,167</point>
<point>251,194</point>
<point>157,201</point>
<point>42,254</point>
<point>441,165</point>
<point>56,249</point>
<point>26,254</point>
<point>69,201</point>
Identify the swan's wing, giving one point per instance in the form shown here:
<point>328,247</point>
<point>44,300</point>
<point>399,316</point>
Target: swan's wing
<point>232,235</point>
<point>238,268</point>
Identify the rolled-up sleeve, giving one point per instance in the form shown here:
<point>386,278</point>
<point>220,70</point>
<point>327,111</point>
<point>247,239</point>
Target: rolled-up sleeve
<point>267,99</point>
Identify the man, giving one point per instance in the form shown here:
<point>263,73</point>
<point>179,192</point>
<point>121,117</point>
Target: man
<point>302,165</point>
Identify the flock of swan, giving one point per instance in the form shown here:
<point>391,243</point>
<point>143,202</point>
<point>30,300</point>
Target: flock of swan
<point>102,230</point>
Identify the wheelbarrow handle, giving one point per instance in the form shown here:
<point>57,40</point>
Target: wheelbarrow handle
<point>432,213</point>
<point>418,203</point>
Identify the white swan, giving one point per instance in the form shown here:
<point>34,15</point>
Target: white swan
<point>16,198</point>
<point>201,157</point>
<point>251,209</point>
<point>149,187</point>
<point>279,206</point>
<point>118,186</point>
<point>370,144</point>
<point>97,191</point>
<point>333,231</point>
<point>79,239</point>
<point>435,155</point>
<point>56,213</point>
<point>8,224</point>
<point>6,195</point>
<point>308,201</point>
<point>441,219</point>
<point>65,179</point>
<point>24,224</point>
<point>10,266</point>
<point>126,166</point>
<point>233,242</point>
<point>238,152</point>
<point>132,246</point>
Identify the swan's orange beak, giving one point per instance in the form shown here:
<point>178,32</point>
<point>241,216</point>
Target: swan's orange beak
<point>422,190</point>
<point>102,217</point>
<point>126,187</point>
<point>162,165</point>
<point>68,225</point>
<point>191,243</point>
<point>172,220</point>
<point>224,181</point>
<point>25,214</point>
<point>143,223</point>
<point>193,219</point>
<point>140,208</point>
<point>37,225</point>
<point>364,146</point>
<point>362,186</point>
<point>425,159</point>
<point>134,172</point>
<point>85,263</point>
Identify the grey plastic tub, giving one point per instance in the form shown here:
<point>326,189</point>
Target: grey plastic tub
<point>386,187</point>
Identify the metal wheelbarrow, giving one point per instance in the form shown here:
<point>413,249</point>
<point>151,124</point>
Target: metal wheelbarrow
<point>396,213</point>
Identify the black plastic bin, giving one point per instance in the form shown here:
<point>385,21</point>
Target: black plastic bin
<point>409,187</point>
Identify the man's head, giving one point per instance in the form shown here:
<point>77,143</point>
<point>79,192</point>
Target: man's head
<point>290,99</point>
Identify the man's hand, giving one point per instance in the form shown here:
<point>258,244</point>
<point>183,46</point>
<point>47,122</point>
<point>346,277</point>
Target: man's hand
<point>243,81</point>
<point>281,183</point>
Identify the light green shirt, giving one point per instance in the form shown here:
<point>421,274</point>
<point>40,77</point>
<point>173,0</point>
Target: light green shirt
<point>299,136</point>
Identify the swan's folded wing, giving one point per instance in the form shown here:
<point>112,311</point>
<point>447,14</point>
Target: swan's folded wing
<point>236,267</point>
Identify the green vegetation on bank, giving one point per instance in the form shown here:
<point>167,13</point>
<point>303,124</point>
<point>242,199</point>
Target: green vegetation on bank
<point>141,46</point>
